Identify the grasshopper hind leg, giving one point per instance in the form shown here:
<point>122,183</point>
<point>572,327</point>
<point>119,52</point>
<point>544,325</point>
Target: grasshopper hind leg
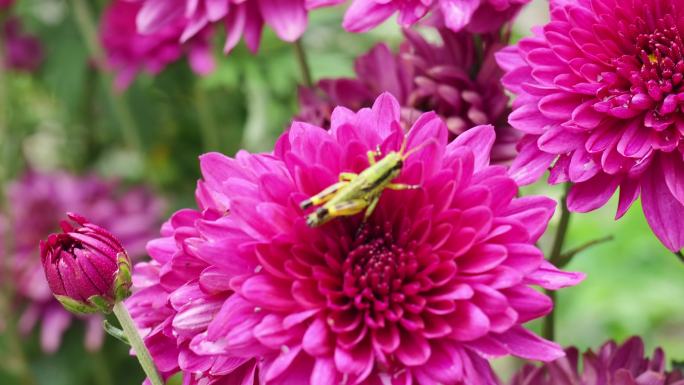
<point>327,213</point>
<point>323,196</point>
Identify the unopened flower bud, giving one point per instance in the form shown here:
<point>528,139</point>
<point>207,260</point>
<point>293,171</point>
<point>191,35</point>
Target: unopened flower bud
<point>86,267</point>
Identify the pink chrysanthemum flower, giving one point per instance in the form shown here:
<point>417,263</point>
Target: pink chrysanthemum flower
<point>434,283</point>
<point>599,99</point>
<point>242,18</point>
<point>37,203</point>
<point>613,365</point>
<point>23,51</point>
<point>5,4</point>
<point>129,52</point>
<point>445,78</point>
<point>474,15</point>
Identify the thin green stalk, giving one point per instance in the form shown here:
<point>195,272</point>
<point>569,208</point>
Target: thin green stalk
<point>205,115</point>
<point>303,63</point>
<point>679,255</point>
<point>137,344</point>
<point>88,29</point>
<point>549,330</point>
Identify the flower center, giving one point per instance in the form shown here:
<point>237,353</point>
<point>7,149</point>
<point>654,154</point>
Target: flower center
<point>660,53</point>
<point>377,269</point>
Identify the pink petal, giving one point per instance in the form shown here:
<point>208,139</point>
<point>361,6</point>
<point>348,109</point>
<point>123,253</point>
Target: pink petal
<point>457,13</point>
<point>664,213</point>
<point>673,169</point>
<point>549,277</point>
<point>592,194</point>
<point>524,344</point>
<point>156,14</point>
<point>287,17</point>
<point>480,140</point>
<point>531,162</point>
<point>364,15</point>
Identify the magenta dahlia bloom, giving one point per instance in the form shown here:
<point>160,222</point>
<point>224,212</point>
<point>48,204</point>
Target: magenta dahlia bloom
<point>23,52</point>
<point>474,15</point>
<point>613,364</point>
<point>434,283</point>
<point>599,93</point>
<point>423,77</point>
<point>129,52</point>
<point>288,18</point>
<point>37,204</point>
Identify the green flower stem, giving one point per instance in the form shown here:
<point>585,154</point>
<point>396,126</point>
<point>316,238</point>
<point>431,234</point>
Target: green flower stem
<point>300,54</point>
<point>137,344</point>
<point>556,258</point>
<point>88,29</point>
<point>679,255</point>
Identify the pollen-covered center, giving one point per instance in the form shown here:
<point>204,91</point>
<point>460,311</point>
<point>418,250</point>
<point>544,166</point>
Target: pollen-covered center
<point>378,273</point>
<point>648,80</point>
<point>660,53</point>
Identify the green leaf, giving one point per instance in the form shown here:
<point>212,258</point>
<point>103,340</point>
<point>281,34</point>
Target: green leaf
<point>115,332</point>
<point>101,303</point>
<point>75,306</point>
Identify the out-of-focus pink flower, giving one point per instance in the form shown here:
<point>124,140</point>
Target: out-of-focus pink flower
<point>242,18</point>
<point>448,79</point>
<point>437,279</point>
<point>23,52</point>
<point>4,4</point>
<point>37,204</point>
<point>599,97</point>
<point>613,364</point>
<point>474,15</point>
<point>129,52</point>
<point>86,267</point>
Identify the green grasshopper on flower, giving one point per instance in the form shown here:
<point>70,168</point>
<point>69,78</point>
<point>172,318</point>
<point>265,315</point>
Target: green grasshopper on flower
<point>355,193</point>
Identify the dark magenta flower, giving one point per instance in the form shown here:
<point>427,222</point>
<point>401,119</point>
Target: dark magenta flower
<point>435,282</point>
<point>86,267</point>
<point>5,4</point>
<point>599,98</point>
<point>23,52</point>
<point>129,52</point>
<point>131,214</point>
<point>446,78</point>
<point>613,364</point>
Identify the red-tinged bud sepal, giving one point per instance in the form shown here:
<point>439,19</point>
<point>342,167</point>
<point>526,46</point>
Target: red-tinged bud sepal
<point>86,267</point>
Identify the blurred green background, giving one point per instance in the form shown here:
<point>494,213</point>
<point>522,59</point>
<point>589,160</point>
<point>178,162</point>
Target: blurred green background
<point>63,117</point>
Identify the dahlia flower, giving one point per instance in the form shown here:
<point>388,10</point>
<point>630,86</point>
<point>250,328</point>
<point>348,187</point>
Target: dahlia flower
<point>86,267</point>
<point>425,77</point>
<point>434,283</point>
<point>128,52</point>
<point>37,202</point>
<point>473,15</point>
<point>288,18</point>
<point>613,365</point>
<point>23,52</point>
<point>599,95</point>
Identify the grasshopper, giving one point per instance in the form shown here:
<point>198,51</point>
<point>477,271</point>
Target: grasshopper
<point>355,193</point>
